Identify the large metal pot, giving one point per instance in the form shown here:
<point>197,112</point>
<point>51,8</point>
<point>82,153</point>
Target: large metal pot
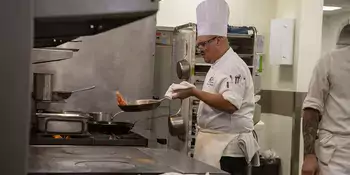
<point>101,116</point>
<point>62,123</point>
<point>43,85</point>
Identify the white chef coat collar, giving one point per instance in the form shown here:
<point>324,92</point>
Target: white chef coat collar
<point>219,61</point>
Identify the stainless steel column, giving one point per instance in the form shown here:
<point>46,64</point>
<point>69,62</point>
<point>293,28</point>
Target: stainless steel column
<point>16,35</point>
<point>296,133</point>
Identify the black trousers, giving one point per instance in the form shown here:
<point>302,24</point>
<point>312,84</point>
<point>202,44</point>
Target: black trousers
<point>234,165</point>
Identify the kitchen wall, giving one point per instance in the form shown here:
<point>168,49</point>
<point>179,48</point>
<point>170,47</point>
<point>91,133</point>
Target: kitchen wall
<point>242,12</point>
<point>310,39</point>
<point>278,138</point>
<point>281,77</point>
<point>259,13</point>
<point>121,59</point>
<point>295,78</point>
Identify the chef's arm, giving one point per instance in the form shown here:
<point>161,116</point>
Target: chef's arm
<point>311,119</point>
<point>314,104</point>
<point>216,101</point>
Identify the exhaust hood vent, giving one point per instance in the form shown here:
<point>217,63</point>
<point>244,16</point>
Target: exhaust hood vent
<point>60,21</point>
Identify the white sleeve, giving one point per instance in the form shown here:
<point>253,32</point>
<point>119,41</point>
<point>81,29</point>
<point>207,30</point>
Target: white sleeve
<point>319,85</point>
<point>232,88</point>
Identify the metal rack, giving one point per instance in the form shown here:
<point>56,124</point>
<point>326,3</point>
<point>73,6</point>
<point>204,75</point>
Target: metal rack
<point>246,46</point>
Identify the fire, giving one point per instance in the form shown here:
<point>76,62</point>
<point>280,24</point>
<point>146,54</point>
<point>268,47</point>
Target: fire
<point>60,137</point>
<point>120,99</point>
<point>57,137</point>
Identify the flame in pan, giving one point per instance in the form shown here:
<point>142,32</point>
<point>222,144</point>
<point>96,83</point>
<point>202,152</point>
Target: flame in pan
<point>120,100</point>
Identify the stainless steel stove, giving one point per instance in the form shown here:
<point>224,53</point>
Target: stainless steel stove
<point>91,139</point>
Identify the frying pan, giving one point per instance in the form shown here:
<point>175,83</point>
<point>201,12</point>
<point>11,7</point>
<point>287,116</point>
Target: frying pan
<point>141,105</point>
<point>116,128</point>
<point>110,127</point>
<point>61,95</point>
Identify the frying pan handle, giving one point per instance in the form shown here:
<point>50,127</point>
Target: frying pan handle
<point>120,112</point>
<point>159,99</point>
<point>155,98</point>
<point>84,89</point>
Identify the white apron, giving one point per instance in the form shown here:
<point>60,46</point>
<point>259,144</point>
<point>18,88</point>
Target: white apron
<point>333,152</point>
<point>210,146</point>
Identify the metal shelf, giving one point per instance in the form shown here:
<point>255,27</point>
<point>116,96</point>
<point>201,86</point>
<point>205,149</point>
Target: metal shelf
<point>50,55</point>
<point>65,20</point>
<point>231,35</point>
<point>202,64</point>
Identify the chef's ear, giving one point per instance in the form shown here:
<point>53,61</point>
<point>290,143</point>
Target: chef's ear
<point>219,39</point>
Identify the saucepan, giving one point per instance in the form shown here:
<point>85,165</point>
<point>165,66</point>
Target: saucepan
<point>183,69</point>
<point>141,105</point>
<point>103,116</point>
<point>176,124</point>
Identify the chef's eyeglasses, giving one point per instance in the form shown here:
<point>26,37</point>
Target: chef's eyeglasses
<point>204,43</point>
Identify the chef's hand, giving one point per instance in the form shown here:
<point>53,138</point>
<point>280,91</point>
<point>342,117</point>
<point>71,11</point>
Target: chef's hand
<point>310,165</point>
<point>184,93</point>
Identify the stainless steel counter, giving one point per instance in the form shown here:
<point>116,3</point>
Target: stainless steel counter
<point>112,160</point>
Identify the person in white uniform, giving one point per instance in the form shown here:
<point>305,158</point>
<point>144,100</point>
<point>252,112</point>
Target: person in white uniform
<point>225,114</point>
<point>327,115</point>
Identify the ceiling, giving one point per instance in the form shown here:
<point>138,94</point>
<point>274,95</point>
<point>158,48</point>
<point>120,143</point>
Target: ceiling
<point>341,3</point>
<point>345,4</point>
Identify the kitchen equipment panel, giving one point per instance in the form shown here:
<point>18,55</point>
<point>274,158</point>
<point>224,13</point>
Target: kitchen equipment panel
<point>174,45</point>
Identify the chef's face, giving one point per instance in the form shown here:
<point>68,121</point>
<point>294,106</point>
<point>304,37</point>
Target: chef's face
<point>208,47</point>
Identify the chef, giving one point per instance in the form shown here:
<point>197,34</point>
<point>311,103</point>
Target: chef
<point>225,114</point>
<point>327,115</point>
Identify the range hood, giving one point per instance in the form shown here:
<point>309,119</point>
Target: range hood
<point>60,21</point>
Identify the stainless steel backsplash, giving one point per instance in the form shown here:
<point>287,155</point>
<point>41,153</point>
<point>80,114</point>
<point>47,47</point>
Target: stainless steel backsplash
<point>121,59</point>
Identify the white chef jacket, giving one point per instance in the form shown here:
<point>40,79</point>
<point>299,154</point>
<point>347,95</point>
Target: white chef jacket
<point>329,93</point>
<point>229,76</point>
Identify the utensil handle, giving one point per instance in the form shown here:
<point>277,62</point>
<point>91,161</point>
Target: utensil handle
<point>50,61</point>
<point>84,89</point>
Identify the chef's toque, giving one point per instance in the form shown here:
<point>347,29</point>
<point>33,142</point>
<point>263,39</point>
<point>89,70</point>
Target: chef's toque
<point>212,18</point>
